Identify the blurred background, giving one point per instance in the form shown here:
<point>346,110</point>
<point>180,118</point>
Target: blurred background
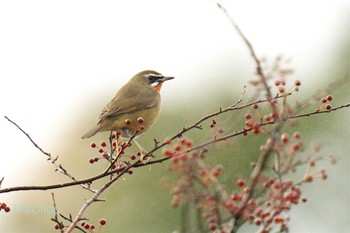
<point>62,61</point>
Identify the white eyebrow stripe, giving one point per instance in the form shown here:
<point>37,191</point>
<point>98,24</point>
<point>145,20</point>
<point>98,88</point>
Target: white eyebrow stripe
<point>154,75</point>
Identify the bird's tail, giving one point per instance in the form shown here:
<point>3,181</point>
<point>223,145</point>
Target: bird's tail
<point>92,132</point>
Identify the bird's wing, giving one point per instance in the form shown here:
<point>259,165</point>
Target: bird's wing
<point>126,102</point>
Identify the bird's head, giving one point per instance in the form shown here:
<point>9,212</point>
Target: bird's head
<point>151,78</point>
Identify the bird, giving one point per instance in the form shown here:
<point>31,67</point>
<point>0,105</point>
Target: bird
<point>136,104</point>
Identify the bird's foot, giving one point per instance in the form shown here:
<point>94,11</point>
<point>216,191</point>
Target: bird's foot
<point>145,157</point>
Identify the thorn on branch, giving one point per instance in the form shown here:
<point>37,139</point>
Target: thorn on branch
<point>156,142</point>
<point>198,127</point>
<point>99,200</point>
<point>54,160</point>
<point>2,179</point>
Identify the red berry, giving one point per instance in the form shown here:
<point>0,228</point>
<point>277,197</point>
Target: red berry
<point>329,98</point>
<point>248,116</point>
<point>7,209</point>
<point>296,147</point>
<point>240,182</point>
<point>323,174</point>
<point>324,100</point>
<point>100,150</point>
<point>133,157</point>
<point>177,148</point>
<point>284,138</point>
<point>328,106</point>
<point>255,125</point>
<point>57,226</point>
<point>3,206</point>
<point>255,106</point>
<point>249,123</point>
<point>257,221</point>
<point>188,142</point>
<point>167,142</point>
<point>114,144</point>
<point>296,135</point>
<point>95,159</point>
<point>212,226</point>
<point>256,130</point>
<point>130,172</point>
<point>103,144</point>
<point>91,161</point>
<point>312,163</point>
<point>92,227</point>
<point>281,89</point>
<point>102,222</point>
<point>82,224</point>
<point>87,226</point>
<point>297,83</point>
<point>140,120</point>
<point>277,83</point>
<point>127,122</point>
<point>93,145</point>
<point>304,199</point>
<point>309,178</point>
<point>236,197</point>
<point>267,118</point>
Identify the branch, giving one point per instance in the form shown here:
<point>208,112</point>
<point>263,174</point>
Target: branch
<point>318,112</point>
<point>259,69</point>
<point>139,164</point>
<point>96,195</point>
<point>58,167</point>
<point>158,146</point>
<point>55,219</point>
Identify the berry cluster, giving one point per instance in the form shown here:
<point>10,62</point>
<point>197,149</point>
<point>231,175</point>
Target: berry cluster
<point>280,196</point>
<point>325,103</point>
<point>216,130</point>
<point>3,206</point>
<point>250,123</point>
<point>116,154</point>
<point>178,151</point>
<point>85,225</point>
<point>277,195</point>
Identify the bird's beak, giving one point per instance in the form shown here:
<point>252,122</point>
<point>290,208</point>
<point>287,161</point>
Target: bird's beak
<point>165,78</point>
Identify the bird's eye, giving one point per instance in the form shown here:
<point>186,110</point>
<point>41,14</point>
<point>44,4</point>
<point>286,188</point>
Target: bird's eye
<point>153,77</point>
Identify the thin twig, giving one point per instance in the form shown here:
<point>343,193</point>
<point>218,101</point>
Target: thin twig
<point>58,167</point>
<point>318,112</point>
<point>259,69</point>
<point>55,219</point>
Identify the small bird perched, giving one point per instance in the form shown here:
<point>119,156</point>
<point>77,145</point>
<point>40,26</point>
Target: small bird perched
<point>137,99</point>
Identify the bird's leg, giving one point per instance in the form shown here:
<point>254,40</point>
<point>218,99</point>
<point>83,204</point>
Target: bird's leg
<point>143,153</point>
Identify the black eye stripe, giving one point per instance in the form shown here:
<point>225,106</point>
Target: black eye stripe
<point>153,77</point>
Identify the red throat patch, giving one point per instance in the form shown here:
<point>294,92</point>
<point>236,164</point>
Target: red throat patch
<point>158,87</point>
